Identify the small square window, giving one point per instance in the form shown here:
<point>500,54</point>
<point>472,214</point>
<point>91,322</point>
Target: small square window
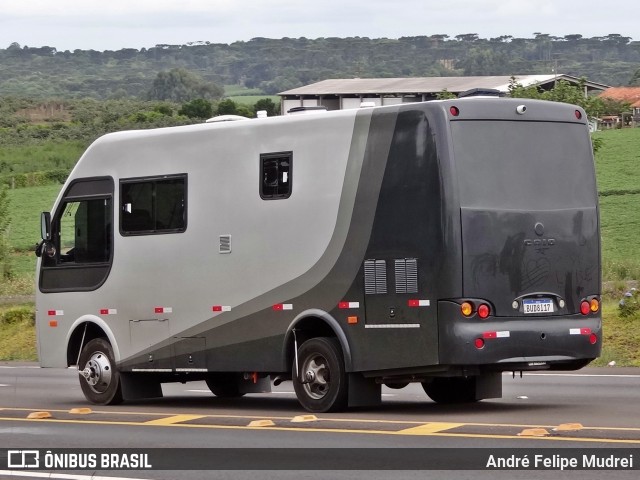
<point>275,175</point>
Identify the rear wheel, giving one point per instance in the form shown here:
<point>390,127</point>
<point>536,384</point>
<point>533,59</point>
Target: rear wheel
<point>99,377</point>
<point>224,385</point>
<point>451,389</point>
<point>321,384</point>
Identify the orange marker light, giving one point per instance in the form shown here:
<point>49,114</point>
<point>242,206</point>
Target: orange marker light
<point>466,308</point>
<point>594,304</point>
<point>53,323</point>
<point>352,320</point>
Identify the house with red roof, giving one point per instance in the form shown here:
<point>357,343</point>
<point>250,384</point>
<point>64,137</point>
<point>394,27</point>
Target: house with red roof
<point>630,95</point>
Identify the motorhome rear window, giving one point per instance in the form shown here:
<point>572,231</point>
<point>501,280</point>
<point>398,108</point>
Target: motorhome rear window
<point>275,175</point>
<point>153,205</point>
<point>523,165</point>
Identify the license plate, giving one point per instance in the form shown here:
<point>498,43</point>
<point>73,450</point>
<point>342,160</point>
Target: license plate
<point>540,305</point>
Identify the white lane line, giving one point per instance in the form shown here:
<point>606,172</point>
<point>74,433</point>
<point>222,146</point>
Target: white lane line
<point>610,375</point>
<point>60,476</point>
<point>14,366</point>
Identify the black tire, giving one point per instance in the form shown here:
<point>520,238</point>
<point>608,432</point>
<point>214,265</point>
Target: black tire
<point>224,385</point>
<point>321,385</point>
<point>99,377</point>
<point>449,390</point>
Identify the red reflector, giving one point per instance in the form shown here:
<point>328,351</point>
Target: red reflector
<point>593,339</point>
<point>585,308</point>
<point>479,343</point>
<point>578,114</point>
<point>483,311</point>
<point>343,305</point>
<point>490,335</point>
<point>455,111</point>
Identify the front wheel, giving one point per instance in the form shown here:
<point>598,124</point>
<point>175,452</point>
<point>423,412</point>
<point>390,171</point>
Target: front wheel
<point>321,382</point>
<point>99,377</point>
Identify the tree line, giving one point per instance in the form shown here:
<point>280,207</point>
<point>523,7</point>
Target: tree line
<point>275,65</point>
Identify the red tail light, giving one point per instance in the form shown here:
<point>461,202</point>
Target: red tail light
<point>484,311</point>
<point>479,343</point>
<point>585,308</point>
<point>455,111</point>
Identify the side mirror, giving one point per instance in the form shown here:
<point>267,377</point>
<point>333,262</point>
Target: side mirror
<point>45,226</point>
<point>45,247</point>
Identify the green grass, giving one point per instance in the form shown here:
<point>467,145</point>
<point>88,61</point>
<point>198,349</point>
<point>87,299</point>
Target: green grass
<point>17,333</point>
<point>621,337</point>
<point>618,161</point>
<point>237,90</point>
<point>46,156</point>
<point>250,100</point>
<point>25,206</point>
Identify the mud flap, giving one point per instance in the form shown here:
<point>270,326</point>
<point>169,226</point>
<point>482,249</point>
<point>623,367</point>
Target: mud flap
<point>257,385</point>
<point>363,392</point>
<point>489,385</point>
<point>136,387</point>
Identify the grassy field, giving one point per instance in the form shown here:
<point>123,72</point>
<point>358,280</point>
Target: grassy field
<point>618,173</point>
<point>250,100</point>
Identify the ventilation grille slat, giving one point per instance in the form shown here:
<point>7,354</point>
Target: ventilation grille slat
<point>225,244</point>
<point>375,277</point>
<point>406,270</point>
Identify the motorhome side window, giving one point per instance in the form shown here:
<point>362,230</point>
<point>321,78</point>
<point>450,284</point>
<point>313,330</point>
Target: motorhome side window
<point>153,205</point>
<point>275,175</point>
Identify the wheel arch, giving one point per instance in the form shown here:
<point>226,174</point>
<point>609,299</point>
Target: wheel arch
<point>310,324</point>
<point>89,327</point>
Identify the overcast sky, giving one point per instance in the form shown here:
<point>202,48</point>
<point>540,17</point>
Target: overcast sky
<point>115,24</point>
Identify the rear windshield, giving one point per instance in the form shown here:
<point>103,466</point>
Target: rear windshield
<point>523,165</point>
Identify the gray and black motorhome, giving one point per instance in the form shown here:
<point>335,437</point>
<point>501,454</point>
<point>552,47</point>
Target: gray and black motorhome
<point>442,242</point>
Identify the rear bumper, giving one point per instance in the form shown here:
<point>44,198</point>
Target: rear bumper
<point>518,343</point>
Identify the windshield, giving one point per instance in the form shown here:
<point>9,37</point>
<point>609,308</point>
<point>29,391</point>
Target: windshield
<point>521,165</point>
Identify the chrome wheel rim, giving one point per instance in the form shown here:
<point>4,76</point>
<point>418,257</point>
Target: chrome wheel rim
<point>98,372</point>
<point>316,376</point>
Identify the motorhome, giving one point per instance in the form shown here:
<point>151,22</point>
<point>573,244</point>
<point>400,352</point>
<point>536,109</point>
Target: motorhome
<point>441,242</point>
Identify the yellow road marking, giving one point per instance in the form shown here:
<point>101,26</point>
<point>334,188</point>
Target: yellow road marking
<point>333,430</point>
<point>429,428</point>
<point>173,420</point>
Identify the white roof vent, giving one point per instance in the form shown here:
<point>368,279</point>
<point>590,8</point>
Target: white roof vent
<point>226,118</point>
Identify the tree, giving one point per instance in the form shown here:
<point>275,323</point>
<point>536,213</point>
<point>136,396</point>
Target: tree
<point>180,85</point>
<point>198,108</point>
<point>227,107</point>
<point>635,80</point>
<point>445,95</point>
<point>267,104</point>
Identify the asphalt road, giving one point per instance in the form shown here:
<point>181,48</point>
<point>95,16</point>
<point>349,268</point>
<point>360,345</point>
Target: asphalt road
<point>570,412</point>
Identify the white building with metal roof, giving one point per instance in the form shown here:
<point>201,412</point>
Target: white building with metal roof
<point>339,94</point>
